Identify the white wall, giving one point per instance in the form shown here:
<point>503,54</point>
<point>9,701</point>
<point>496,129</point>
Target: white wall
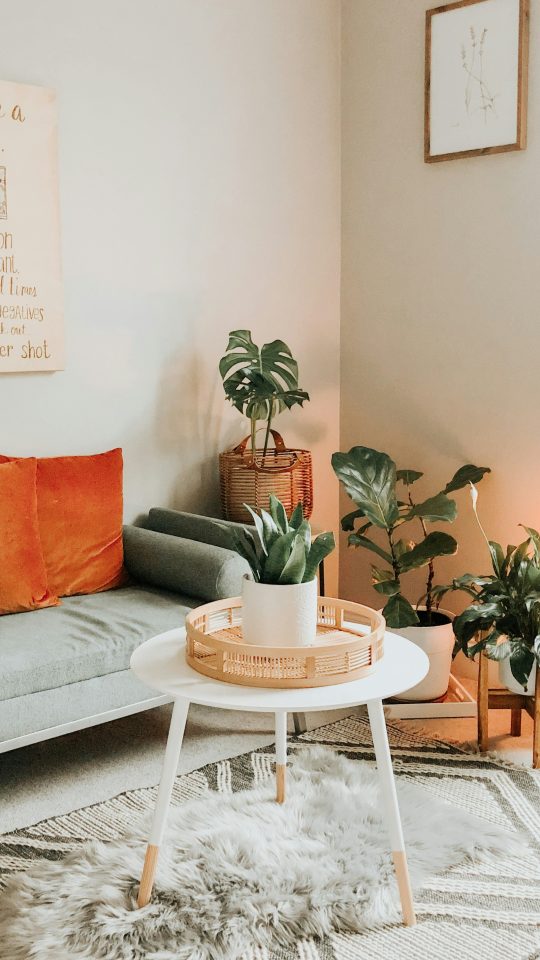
<point>200,178</point>
<point>440,289</point>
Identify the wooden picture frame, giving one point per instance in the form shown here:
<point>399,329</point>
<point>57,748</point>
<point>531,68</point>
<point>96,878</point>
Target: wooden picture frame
<point>459,107</point>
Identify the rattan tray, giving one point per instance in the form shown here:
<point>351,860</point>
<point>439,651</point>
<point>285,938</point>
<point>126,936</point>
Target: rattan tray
<point>342,652</point>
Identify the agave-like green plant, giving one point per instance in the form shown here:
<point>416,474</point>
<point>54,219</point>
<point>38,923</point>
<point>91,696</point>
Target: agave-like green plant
<point>280,550</point>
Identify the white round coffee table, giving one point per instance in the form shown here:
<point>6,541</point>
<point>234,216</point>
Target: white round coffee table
<point>161,664</point>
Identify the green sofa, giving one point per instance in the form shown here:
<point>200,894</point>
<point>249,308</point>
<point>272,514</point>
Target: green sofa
<point>65,668</point>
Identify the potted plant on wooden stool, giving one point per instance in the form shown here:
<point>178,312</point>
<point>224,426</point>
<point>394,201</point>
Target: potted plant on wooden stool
<point>503,624</point>
<point>280,601</point>
<point>371,479</point>
<point>261,383</point>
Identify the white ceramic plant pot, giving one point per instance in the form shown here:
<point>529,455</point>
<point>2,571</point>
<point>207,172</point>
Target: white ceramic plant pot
<point>279,615</point>
<point>437,642</point>
<point>509,681</point>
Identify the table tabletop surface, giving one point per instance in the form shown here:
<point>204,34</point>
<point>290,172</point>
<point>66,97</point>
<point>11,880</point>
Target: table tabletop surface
<point>161,663</point>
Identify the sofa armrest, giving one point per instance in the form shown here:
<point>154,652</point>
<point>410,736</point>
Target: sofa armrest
<point>183,566</point>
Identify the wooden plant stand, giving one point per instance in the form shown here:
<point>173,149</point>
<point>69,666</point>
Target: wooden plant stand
<point>494,699</point>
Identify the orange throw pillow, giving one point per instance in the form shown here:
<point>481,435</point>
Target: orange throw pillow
<point>23,579</point>
<point>80,511</point>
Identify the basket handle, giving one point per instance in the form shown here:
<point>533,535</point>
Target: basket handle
<point>278,440</point>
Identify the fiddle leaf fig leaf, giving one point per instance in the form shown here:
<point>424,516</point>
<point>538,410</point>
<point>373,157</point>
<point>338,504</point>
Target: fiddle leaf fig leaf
<point>388,588</point>
<point>357,540</point>
<point>466,474</point>
<point>436,544</point>
<point>408,477</point>
<point>347,522</point>
<point>439,507</point>
<point>369,478</point>
<point>398,612</point>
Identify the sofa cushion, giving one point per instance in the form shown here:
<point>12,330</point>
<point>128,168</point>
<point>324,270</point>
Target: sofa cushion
<point>79,504</point>
<point>23,580</point>
<point>85,637</point>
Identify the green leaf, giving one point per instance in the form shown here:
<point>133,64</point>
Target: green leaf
<point>278,556</point>
<point>293,571</point>
<point>398,612</point>
<point>436,544</point>
<point>258,525</point>
<point>320,548</point>
<point>435,508</point>
<point>497,651</point>
<point>467,474</point>
<point>369,478</point>
<point>535,539</point>
<point>379,576</point>
<point>522,661</point>
<point>347,522</point>
<point>479,616</point>
<point>357,540</point>
<point>497,556</point>
<point>403,546</point>
<point>243,543</point>
<point>408,476</point>
<point>279,515</point>
<point>388,588</point>
<point>297,516</point>
<point>256,381</point>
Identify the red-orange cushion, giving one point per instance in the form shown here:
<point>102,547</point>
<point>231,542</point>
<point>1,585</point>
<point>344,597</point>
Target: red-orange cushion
<point>23,579</point>
<point>80,507</point>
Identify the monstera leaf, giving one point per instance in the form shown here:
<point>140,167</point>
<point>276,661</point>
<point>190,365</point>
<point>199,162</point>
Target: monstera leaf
<point>256,380</point>
<point>369,478</point>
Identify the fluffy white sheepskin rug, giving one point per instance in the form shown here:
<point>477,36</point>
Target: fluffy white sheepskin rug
<point>240,870</point>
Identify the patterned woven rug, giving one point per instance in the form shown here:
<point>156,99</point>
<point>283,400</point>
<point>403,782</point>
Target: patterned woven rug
<point>487,911</point>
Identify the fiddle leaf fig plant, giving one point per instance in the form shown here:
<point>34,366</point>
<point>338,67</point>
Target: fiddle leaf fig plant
<point>281,550</point>
<point>260,383</point>
<point>504,618</point>
<point>371,479</point>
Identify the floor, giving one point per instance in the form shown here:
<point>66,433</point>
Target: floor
<point>57,776</point>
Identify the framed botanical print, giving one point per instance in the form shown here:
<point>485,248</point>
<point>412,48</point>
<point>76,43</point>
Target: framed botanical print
<point>476,78</point>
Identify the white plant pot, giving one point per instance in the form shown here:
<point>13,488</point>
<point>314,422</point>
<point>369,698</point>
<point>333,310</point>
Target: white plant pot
<point>279,615</point>
<point>437,642</point>
<point>509,681</point>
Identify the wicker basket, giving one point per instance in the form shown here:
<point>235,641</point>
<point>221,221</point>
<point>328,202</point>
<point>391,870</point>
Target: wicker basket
<point>215,647</point>
<point>247,479</point>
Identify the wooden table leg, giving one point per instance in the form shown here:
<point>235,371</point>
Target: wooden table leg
<point>515,722</point>
<point>482,702</point>
<point>170,766</point>
<point>281,755</point>
<point>391,808</point>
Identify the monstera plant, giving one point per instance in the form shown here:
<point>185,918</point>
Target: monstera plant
<point>384,501</point>
<point>260,382</point>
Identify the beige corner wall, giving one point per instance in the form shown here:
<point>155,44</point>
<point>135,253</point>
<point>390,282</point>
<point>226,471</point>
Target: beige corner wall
<point>440,289</point>
<point>200,191</point>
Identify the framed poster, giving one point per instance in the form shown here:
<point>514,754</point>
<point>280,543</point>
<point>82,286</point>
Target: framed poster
<point>476,78</point>
<point>31,299</point>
